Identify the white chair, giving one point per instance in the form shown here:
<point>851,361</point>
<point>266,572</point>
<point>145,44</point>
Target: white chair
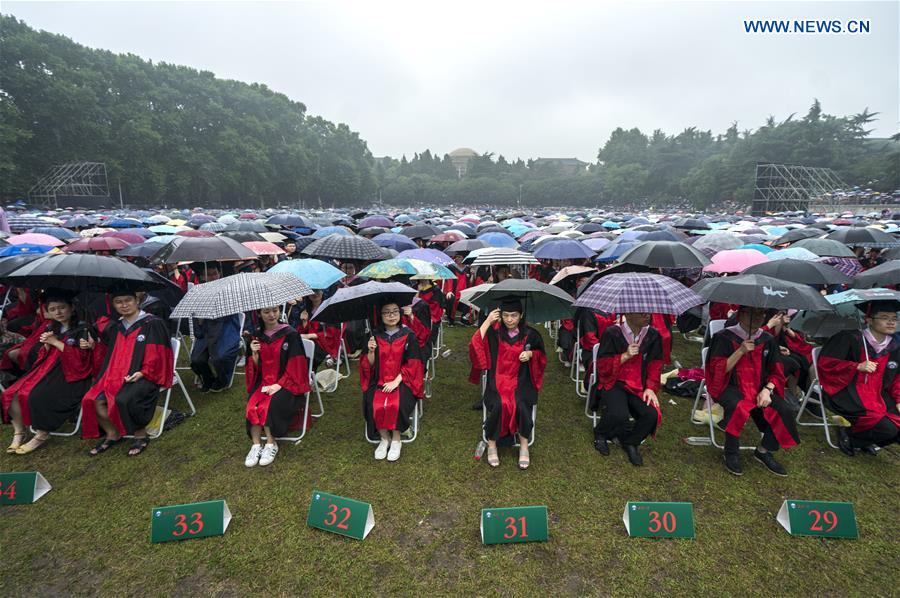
<point>592,414</point>
<point>715,326</point>
<point>340,360</point>
<point>176,382</point>
<point>484,414</point>
<point>309,349</point>
<point>703,393</point>
<point>413,422</point>
<point>814,396</point>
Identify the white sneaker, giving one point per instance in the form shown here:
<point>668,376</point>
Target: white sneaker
<point>382,449</point>
<point>253,456</point>
<point>394,453</point>
<point>268,454</point>
<point>241,362</point>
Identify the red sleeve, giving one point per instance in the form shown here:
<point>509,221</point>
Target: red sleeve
<point>538,362</point>
<point>365,370</point>
<point>158,364</point>
<point>98,355</point>
<point>330,339</point>
<point>836,374</point>
<point>654,371</point>
<point>76,363</point>
<point>608,371</point>
<point>776,377</point>
<point>295,377</point>
<point>895,391</point>
<point>716,377</point>
<point>480,351</point>
<point>251,369</point>
<point>419,329</point>
<point>411,369</point>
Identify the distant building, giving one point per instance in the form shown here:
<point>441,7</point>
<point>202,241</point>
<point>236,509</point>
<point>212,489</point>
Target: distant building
<point>565,165</point>
<point>460,158</point>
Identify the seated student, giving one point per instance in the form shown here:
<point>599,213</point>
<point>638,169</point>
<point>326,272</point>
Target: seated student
<point>18,359</point>
<point>796,353</point>
<point>327,338</point>
<point>277,380</point>
<point>49,394</point>
<point>133,361</point>
<point>21,316</point>
<point>512,354</point>
<point>391,376</point>
<point>745,376</point>
<point>629,364</point>
<point>858,374</point>
<point>453,288</point>
<point>436,301</point>
<point>217,343</point>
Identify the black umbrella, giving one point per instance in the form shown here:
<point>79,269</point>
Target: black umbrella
<point>756,290</point>
<point>420,231</point>
<point>243,236</point>
<point>81,272</point>
<point>359,302</point>
<point>14,262</point>
<point>202,249</point>
<point>691,224</point>
<point>142,250</point>
<point>371,231</point>
<point>863,237</point>
<point>251,226</point>
<point>465,246</point>
<point>882,275</point>
<point>664,254</point>
<point>541,302</point>
<point>798,234</point>
<point>800,271</point>
<point>825,247</point>
<point>345,247</point>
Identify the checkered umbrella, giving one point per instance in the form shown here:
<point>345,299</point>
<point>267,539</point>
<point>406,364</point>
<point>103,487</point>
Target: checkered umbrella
<point>498,256</point>
<point>345,247</point>
<point>848,265</point>
<point>20,224</point>
<point>240,293</point>
<point>638,293</point>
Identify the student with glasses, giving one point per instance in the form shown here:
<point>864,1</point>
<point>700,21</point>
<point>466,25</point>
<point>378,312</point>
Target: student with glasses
<point>858,374</point>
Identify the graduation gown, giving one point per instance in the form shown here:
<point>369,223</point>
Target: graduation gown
<point>592,324</point>
<point>144,347</point>
<point>864,399</point>
<point>456,286</point>
<point>28,351</point>
<point>512,386</point>
<point>327,341</point>
<point>663,325</point>
<point>50,392</point>
<point>282,361</point>
<point>565,338</point>
<point>737,389</point>
<point>395,354</point>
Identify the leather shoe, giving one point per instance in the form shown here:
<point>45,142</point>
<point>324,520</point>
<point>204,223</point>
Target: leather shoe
<point>733,463</point>
<point>601,444</point>
<point>844,442</point>
<point>633,455</point>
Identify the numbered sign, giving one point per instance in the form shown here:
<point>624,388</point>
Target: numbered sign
<point>818,518</point>
<point>184,522</point>
<point>340,515</point>
<point>22,487</point>
<point>659,519</point>
<point>514,524</point>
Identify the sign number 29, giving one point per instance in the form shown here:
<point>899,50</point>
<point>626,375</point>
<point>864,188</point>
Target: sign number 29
<point>829,517</point>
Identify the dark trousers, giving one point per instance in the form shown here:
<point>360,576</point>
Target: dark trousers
<point>729,401</point>
<point>883,433</point>
<point>616,406</point>
<point>493,405</point>
<point>203,365</point>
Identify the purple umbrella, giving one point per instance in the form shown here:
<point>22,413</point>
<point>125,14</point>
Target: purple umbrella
<point>376,221</point>
<point>429,255</point>
<point>563,249</point>
<point>639,293</point>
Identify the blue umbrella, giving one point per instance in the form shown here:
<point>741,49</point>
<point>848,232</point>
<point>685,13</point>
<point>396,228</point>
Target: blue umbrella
<point>497,239</point>
<point>23,249</point>
<point>394,241</point>
<point>122,223</point>
<point>332,230</point>
<point>80,222</point>
<point>609,224</point>
<point>632,235</point>
<point>316,273</point>
<point>615,251</point>
<point>63,234</point>
<point>563,249</point>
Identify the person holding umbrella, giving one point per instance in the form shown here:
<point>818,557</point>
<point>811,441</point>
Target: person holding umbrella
<point>217,342</point>
<point>277,375</point>
<point>858,374</point>
<point>512,353</point>
<point>744,374</point>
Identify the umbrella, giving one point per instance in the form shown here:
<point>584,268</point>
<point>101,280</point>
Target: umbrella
<point>615,250</point>
<point>290,220</point>
<point>568,272</point>
<point>756,290</point>
<point>638,293</point>
<point>417,269</point>
<point>63,234</point>
<point>263,248</point>
<point>848,265</point>
<point>240,293</point>
<point>24,249</point>
<point>376,221</point>
<point>823,325</point>
<point>394,241</point>
<point>244,226</point>
<point>332,230</point>
<point>79,222</point>
<point>596,244</point>
<point>465,246</point>
<point>243,236</point>
<point>193,249</point>
<point>141,250</point>
<point>763,249</point>
<point>734,260</point>
<point>35,239</point>
<point>372,231</point>
<point>358,302</point>
<point>563,249</point>
<point>165,229</point>
<point>541,302</point>
<point>428,255</point>
<point>195,233</point>
<point>825,247</point>
<point>716,242</point>
<point>664,254</point>
<point>498,256</point>
<point>127,236</point>
<point>81,272</point>
<point>881,275</point>
<point>798,234</point>
<point>792,253</point>
<point>19,224</point>
<point>14,262</point>
<point>448,237</point>
<point>863,237</point>
<point>97,244</point>
<point>274,237</point>
<point>691,224</point>
<point>800,271</point>
<point>123,223</point>
<point>497,239</point>
<point>469,294</point>
<point>343,247</point>
<point>857,296</point>
<point>215,227</point>
<point>316,273</point>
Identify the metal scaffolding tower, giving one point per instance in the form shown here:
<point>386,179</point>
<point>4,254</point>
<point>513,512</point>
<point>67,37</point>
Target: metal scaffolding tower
<point>787,188</point>
<point>71,183</point>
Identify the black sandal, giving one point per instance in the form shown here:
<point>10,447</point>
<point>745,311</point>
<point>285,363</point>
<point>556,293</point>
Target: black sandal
<point>139,445</point>
<point>104,446</point>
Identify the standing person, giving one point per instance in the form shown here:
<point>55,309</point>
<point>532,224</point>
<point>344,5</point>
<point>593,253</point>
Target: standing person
<point>49,394</point>
<point>629,364</point>
<point>858,373</point>
<point>136,362</point>
<point>744,374</point>
<point>391,376</point>
<point>277,379</point>
<point>512,354</point>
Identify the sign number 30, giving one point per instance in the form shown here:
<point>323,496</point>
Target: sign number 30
<point>667,523</point>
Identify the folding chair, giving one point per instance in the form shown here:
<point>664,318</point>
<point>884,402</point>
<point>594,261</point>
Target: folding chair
<point>714,327</point>
<point>309,348</point>
<point>413,421</point>
<point>241,319</point>
<point>340,359</point>
<point>517,443</point>
<point>815,388</point>
<point>702,393</point>
<point>591,383</point>
<point>73,432</point>
<point>177,381</point>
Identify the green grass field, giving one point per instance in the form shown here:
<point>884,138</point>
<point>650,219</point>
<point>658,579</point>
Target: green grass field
<point>90,534</point>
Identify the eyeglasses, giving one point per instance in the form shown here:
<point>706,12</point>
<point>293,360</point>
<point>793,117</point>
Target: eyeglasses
<point>888,319</point>
<point>393,312</point>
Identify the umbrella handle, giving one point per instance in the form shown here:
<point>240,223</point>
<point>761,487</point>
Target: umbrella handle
<point>866,353</point>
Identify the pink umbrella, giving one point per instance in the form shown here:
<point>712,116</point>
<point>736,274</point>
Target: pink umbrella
<point>447,238</point>
<point>248,216</point>
<point>735,260</point>
<point>97,244</point>
<point>263,248</point>
<point>195,233</point>
<point>130,238</point>
<point>35,239</point>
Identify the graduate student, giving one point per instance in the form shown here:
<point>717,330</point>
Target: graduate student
<point>277,374</point>
<point>391,376</point>
<point>512,353</point>
<point>436,301</point>
<point>49,394</point>
<point>858,374</point>
<point>133,360</point>
<point>327,338</point>
<point>629,364</point>
<point>745,375</point>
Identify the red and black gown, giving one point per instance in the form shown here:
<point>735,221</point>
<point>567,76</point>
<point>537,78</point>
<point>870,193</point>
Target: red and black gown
<point>512,386</point>
<point>663,325</point>
<point>456,286</point>
<point>620,386</point>
<point>22,317</point>
<point>800,358</point>
<point>327,341</point>
<point>565,337</point>
<point>282,361</point>
<point>144,347</point>
<point>420,323</point>
<point>398,353</point>
<point>28,352</point>
<point>435,300</point>
<point>591,326</point>
<point>49,394</point>
<point>868,401</point>
<point>736,390</point>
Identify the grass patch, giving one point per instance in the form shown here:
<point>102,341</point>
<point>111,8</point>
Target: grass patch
<point>90,534</point>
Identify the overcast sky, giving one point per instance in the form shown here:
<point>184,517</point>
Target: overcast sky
<point>519,79</point>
